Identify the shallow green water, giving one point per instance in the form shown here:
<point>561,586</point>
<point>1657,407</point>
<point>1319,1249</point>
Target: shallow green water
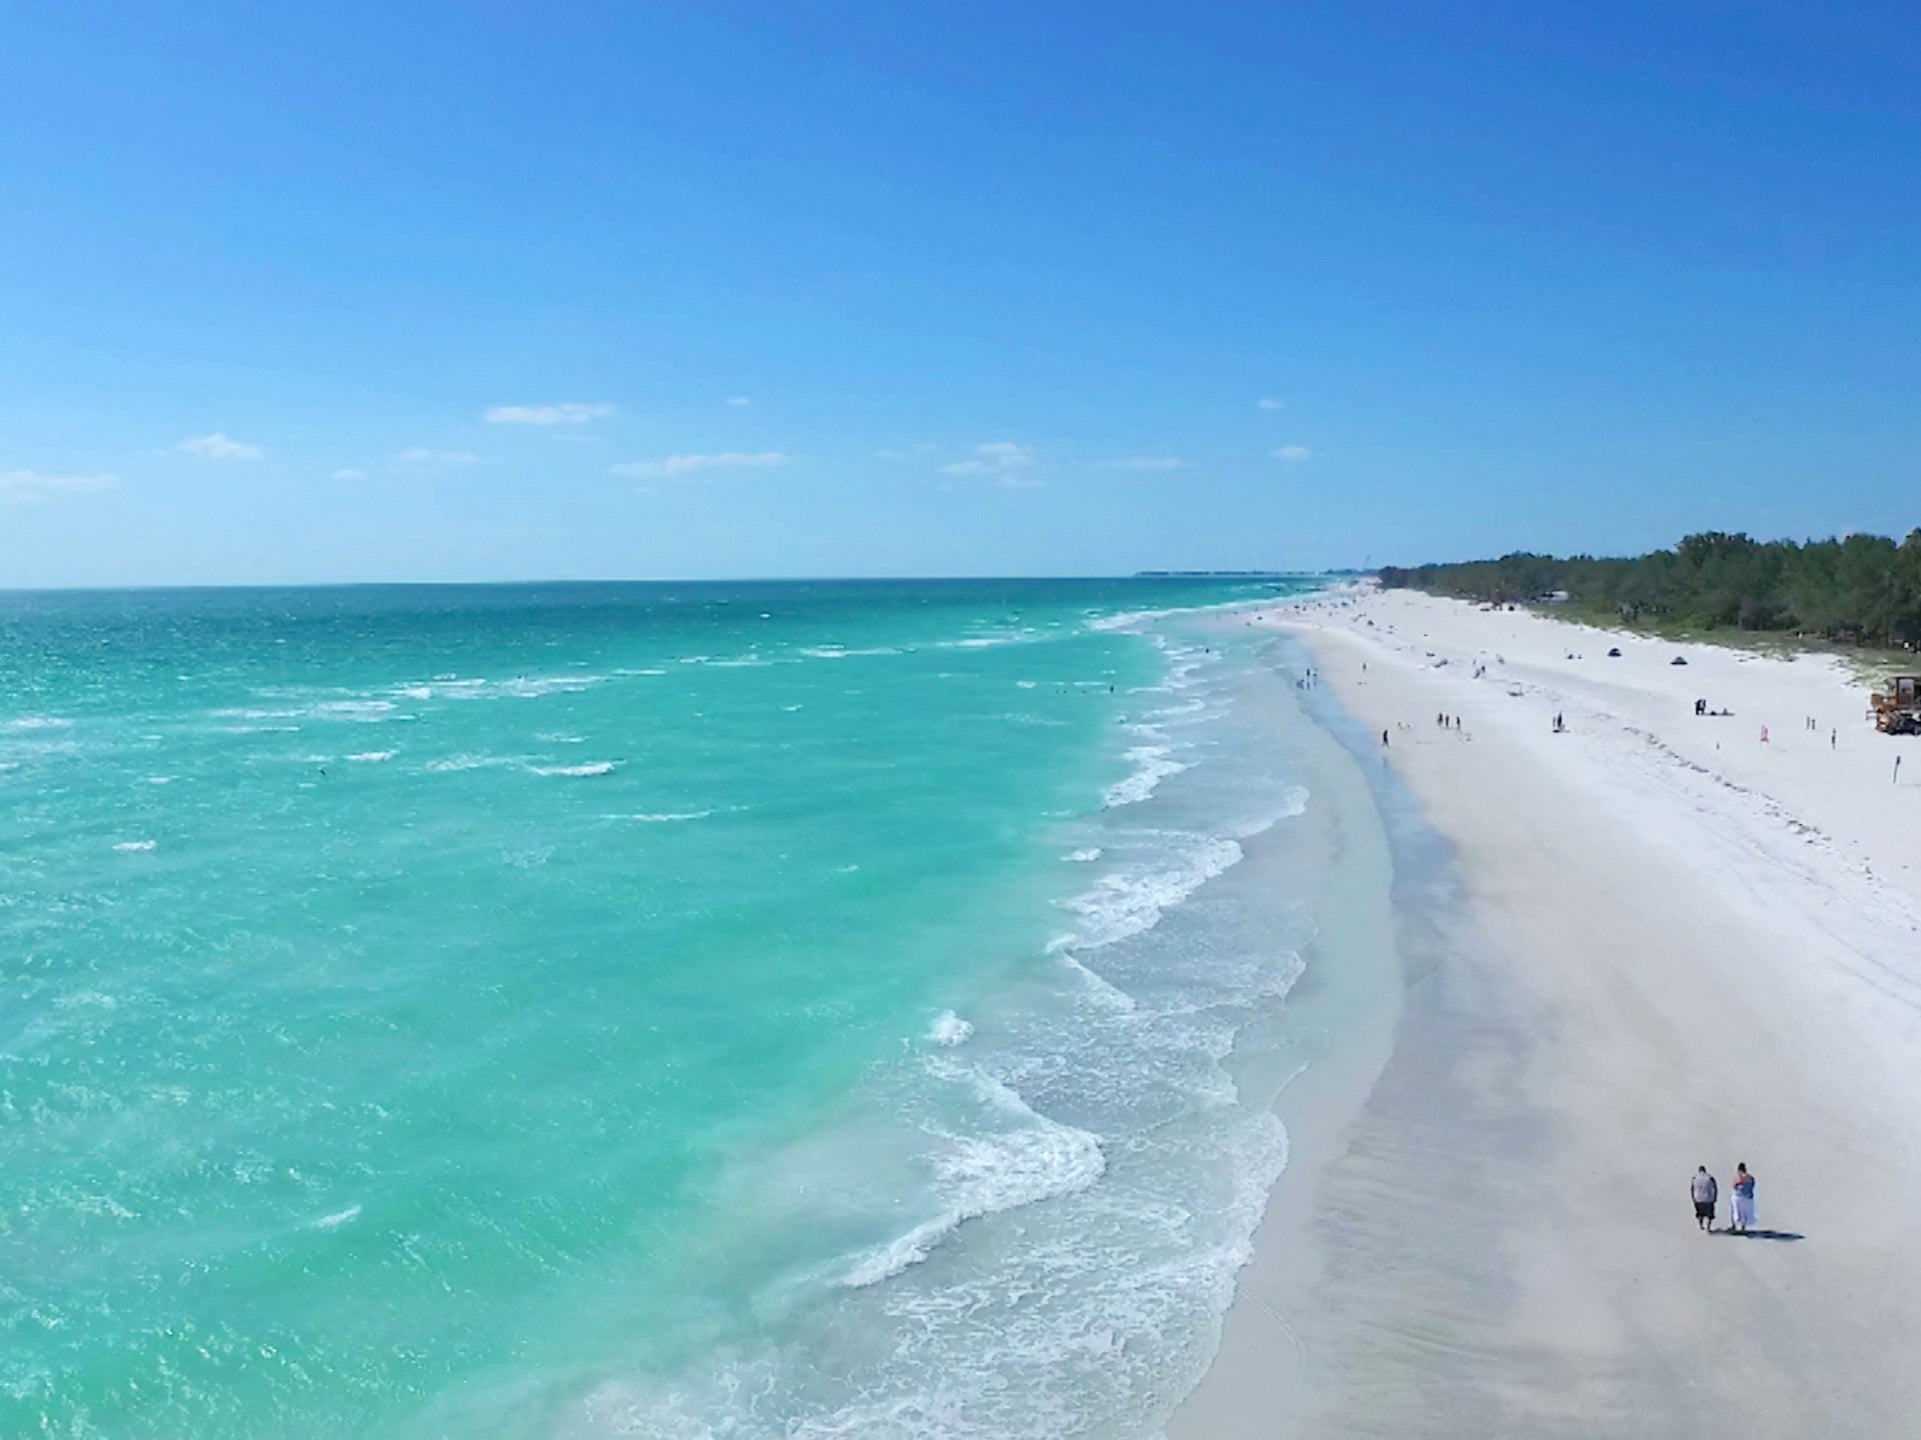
<point>481,1011</point>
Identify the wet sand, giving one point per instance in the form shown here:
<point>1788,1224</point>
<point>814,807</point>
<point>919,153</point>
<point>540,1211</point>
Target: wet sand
<point>1648,962</point>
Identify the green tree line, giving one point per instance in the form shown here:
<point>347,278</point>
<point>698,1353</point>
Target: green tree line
<point>1864,589</point>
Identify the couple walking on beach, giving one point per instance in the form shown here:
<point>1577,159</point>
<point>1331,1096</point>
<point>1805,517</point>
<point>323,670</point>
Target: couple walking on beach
<point>1706,1191</point>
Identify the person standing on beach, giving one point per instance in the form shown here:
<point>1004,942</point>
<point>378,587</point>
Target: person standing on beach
<point>1742,1219</point>
<point>1705,1192</point>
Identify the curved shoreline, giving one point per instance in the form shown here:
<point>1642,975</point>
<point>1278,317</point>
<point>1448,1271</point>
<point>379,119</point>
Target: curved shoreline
<point>1656,965</point>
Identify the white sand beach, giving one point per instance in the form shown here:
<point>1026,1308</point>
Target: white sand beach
<point>1675,944</point>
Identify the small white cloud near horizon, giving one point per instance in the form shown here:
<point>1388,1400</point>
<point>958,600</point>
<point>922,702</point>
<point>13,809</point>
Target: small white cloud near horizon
<point>1004,460</point>
<point>422,455</point>
<point>1292,453</point>
<point>1144,462</point>
<point>220,447</point>
<point>677,465</point>
<point>566,412</point>
<point>350,474</point>
<point>739,402</point>
<point>29,485</point>
<point>1267,402</point>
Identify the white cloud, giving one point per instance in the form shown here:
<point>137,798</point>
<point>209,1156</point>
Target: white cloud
<point>420,455</point>
<point>1145,462</point>
<point>1000,457</point>
<point>677,465</point>
<point>350,475</point>
<point>27,485</point>
<point>739,402</point>
<point>219,447</point>
<point>1268,403</point>
<point>567,412</point>
<point>1292,453</point>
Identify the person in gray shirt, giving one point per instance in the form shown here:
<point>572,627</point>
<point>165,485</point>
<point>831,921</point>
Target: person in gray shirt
<point>1705,1192</point>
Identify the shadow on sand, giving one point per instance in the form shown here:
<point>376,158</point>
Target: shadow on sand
<point>1761,1234</point>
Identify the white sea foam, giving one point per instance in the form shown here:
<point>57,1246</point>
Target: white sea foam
<point>1023,635</point>
<point>359,711</point>
<point>256,713</point>
<point>160,779</point>
<point>842,652</point>
<point>129,847</point>
<point>1294,804</point>
<point>1152,764</point>
<point>1179,712</point>
<point>373,757</point>
<point>532,687</point>
<point>453,764</point>
<point>1034,1159</point>
<point>1085,854</point>
<point>1025,717</point>
<point>1126,902</point>
<point>949,1029</point>
<point>449,687</point>
<point>664,817</point>
<point>86,999</point>
<point>595,767</point>
<point>1130,619</point>
<point>335,1220</point>
<point>39,722</point>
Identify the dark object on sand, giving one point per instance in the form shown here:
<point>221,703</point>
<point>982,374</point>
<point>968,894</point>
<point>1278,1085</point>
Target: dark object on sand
<point>1897,711</point>
<point>1679,660</point>
<point>1614,653</point>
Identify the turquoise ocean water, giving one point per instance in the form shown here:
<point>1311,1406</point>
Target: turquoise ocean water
<point>706,1010</point>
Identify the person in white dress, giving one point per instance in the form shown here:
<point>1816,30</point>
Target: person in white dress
<point>1743,1219</point>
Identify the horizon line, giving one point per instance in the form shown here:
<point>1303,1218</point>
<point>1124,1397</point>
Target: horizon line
<point>107,589</point>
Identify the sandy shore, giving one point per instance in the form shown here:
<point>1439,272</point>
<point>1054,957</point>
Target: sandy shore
<point>1675,943</point>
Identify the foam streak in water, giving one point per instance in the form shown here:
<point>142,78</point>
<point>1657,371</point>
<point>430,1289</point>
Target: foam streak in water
<point>1030,1160</point>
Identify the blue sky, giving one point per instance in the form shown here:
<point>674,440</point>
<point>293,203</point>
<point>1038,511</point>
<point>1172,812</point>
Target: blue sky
<point>858,288</point>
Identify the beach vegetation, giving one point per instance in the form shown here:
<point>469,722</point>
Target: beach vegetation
<point>1858,591</point>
